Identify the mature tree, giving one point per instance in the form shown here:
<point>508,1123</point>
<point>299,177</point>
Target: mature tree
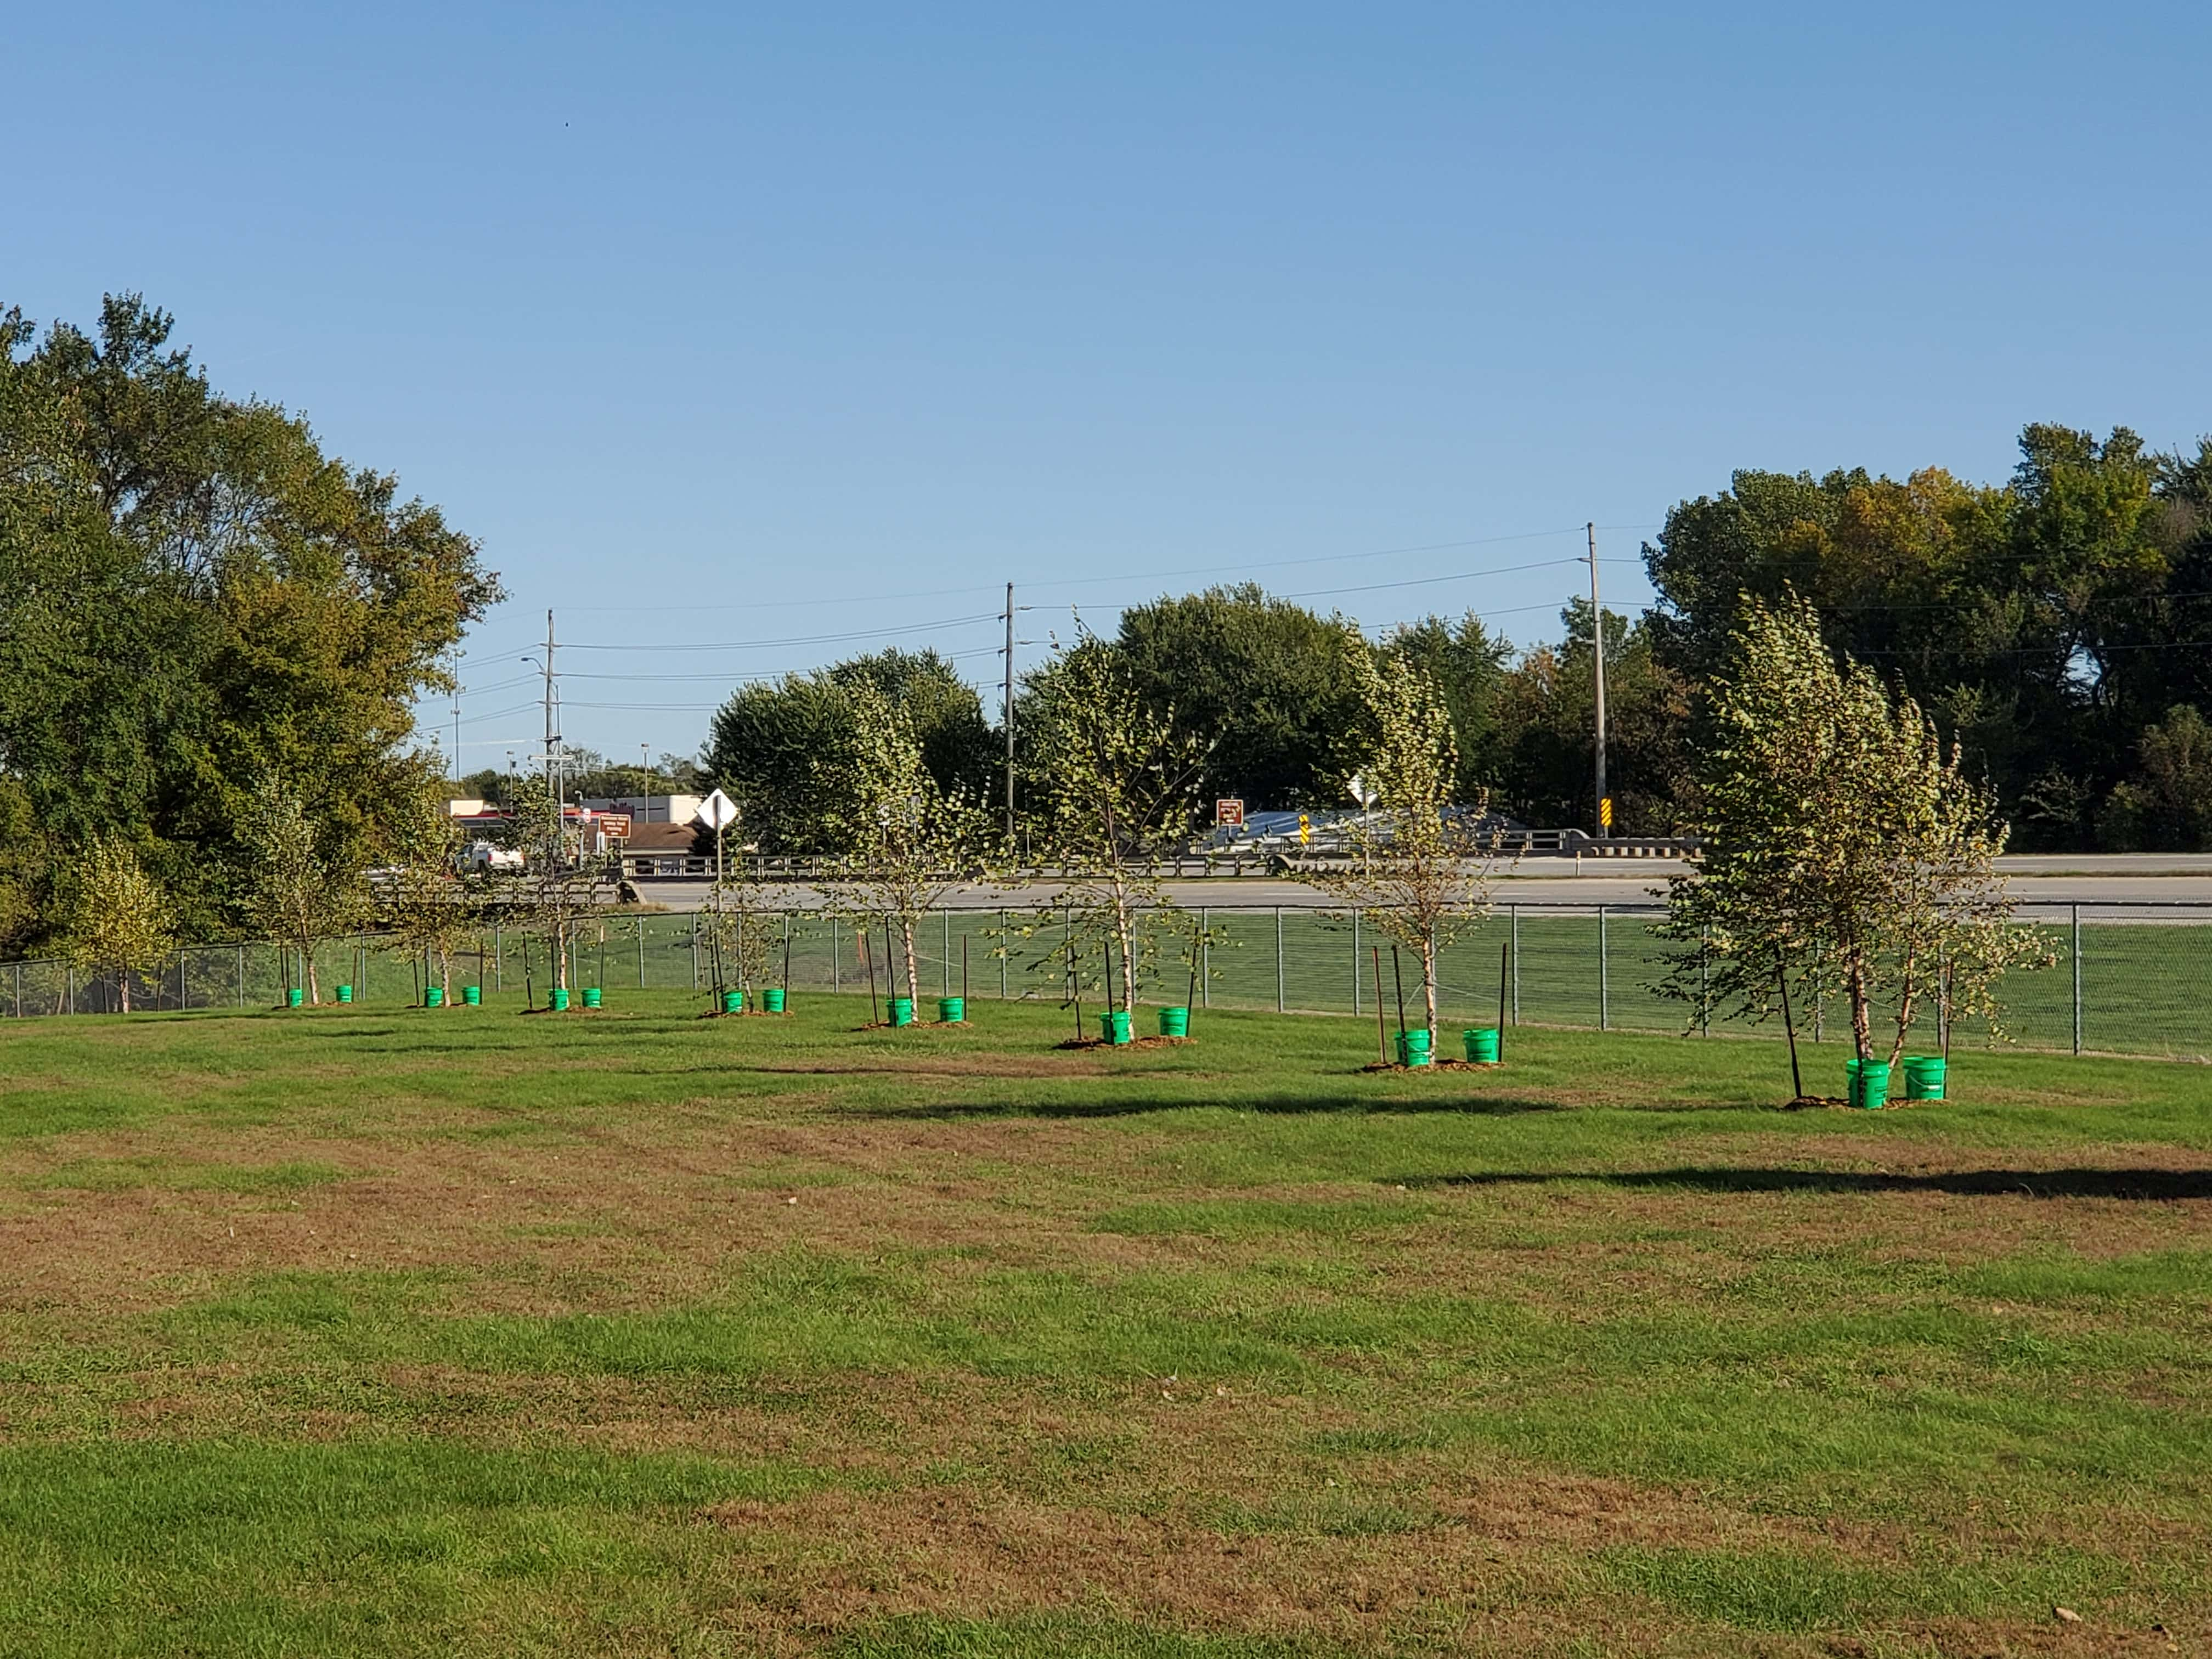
<point>1412,868</point>
<point>1845,851</point>
<point>1260,682</point>
<point>1545,723</point>
<point>1467,664</point>
<point>303,886</point>
<point>2167,805</point>
<point>1113,785</point>
<point>193,597</point>
<point>910,842</point>
<point>767,741</point>
<point>118,920</point>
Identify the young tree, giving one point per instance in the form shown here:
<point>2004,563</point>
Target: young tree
<point>560,886</point>
<point>1113,787</point>
<point>908,842</point>
<point>426,904</point>
<point>1412,869</point>
<point>118,918</point>
<point>1844,852</point>
<point>298,895</point>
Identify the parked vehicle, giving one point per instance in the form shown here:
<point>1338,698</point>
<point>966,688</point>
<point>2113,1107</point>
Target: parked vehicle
<point>487,858</point>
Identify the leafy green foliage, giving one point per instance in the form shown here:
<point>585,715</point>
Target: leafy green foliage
<point>193,597</point>
<point>119,920</point>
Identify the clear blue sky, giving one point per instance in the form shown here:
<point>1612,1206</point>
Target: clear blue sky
<point>769,317</point>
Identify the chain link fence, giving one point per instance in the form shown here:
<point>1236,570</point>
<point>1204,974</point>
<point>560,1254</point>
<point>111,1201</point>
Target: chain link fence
<point>2124,979</point>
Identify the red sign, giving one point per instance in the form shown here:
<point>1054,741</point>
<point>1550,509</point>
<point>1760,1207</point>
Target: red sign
<point>1229,814</point>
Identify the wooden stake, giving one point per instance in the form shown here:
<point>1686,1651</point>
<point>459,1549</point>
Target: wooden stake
<point>1790,1030</point>
<point>1398,977</point>
<point>1382,1030</point>
<point>1502,959</point>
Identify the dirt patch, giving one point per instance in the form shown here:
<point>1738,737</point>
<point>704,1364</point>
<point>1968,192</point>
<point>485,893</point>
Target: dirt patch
<point>1085,1044</point>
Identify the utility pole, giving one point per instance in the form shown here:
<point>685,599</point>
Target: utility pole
<point>1597,669</point>
<point>1009,717</point>
<point>552,739</point>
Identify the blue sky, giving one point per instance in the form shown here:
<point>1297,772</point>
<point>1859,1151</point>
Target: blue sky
<point>720,324</point>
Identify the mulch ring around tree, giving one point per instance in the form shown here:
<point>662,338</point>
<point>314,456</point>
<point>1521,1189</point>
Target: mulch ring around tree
<point>1440,1063</point>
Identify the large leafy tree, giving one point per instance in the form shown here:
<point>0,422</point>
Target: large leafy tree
<point>768,743</point>
<point>194,598</point>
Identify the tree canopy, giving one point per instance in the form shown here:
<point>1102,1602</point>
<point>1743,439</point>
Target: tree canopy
<point>195,600</point>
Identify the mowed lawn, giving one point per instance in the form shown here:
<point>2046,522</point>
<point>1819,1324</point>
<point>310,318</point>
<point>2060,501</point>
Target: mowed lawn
<point>471,1331</point>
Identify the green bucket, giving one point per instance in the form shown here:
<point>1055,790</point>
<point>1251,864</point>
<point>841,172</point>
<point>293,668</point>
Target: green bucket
<point>294,997</point>
<point>559,999</point>
<point>1481,1043</point>
<point>733,1002</point>
<point>901,1011</point>
<point>1413,1048</point>
<point>1114,1026</point>
<point>473,995</point>
<point>952,1011</point>
<point>1923,1077</point>
<point>345,994</point>
<point>1865,1082</point>
<point>772,1000</point>
<point>1174,1022</point>
<point>434,996</point>
<point>591,996</point>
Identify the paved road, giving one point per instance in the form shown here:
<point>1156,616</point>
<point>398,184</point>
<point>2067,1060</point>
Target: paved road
<point>2133,879</point>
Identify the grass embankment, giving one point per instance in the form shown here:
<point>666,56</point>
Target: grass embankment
<point>636,1332</point>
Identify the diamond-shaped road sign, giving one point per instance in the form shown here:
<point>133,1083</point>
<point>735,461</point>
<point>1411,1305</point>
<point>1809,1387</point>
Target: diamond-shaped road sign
<point>717,811</point>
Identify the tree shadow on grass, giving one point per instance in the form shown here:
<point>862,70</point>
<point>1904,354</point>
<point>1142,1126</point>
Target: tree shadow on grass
<point>1134,1106</point>
<point>2156,1186</point>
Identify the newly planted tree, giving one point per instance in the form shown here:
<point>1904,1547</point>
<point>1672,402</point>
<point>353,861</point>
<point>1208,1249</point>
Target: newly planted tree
<point>1113,786</point>
<point>560,887</point>
<point>298,894</point>
<point>908,842</point>
<point>1845,852</point>
<point>426,904</point>
<point>118,920</point>
<point>1413,867</point>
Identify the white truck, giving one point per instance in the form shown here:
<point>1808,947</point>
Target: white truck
<point>487,858</point>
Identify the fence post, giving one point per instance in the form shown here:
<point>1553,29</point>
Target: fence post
<point>1205,956</point>
<point>68,986</point>
<point>1004,948</point>
<point>2076,910</point>
<point>944,963</point>
<point>1513,920</point>
<point>242,975</point>
<point>1604,999</point>
<point>1355,964</point>
<point>1279,958</point>
<point>836,967</point>
<point>695,950</point>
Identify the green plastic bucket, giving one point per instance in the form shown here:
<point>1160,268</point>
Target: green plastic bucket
<point>1923,1077</point>
<point>591,996</point>
<point>294,997</point>
<point>434,996</point>
<point>952,1011</point>
<point>345,994</point>
<point>772,1000</point>
<point>1114,1026</point>
<point>733,1002</point>
<point>901,1011</point>
<point>560,997</point>
<point>1865,1082</point>
<point>1413,1048</point>
<point>1481,1043</point>
<point>1174,1022</point>
<point>473,995</point>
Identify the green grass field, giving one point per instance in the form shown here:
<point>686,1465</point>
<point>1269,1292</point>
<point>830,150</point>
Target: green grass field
<point>393,1331</point>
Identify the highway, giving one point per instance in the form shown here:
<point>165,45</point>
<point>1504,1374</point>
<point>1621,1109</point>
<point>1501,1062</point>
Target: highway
<point>2039,879</point>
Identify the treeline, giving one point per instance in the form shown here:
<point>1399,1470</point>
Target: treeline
<point>2057,627</point>
<point>200,613</point>
<point>1267,691</point>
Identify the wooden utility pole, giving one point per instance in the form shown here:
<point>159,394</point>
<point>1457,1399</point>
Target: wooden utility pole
<point>1009,717</point>
<point>1597,668</point>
